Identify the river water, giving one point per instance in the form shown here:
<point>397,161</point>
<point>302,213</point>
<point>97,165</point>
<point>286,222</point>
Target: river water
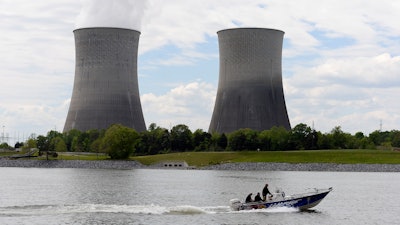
<point>163,196</point>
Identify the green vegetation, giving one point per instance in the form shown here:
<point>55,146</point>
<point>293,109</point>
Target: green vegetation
<point>64,156</point>
<point>120,142</point>
<point>316,156</point>
<point>200,159</point>
<point>4,146</point>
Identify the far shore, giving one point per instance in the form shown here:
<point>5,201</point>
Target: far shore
<point>243,166</point>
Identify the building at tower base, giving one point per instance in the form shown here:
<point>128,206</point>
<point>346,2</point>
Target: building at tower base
<point>105,88</point>
<point>250,91</point>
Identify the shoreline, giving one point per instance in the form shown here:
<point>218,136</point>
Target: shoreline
<point>245,166</point>
<point>79,164</point>
<point>317,167</point>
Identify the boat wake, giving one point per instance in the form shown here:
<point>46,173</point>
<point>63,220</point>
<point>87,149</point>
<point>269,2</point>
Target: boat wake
<point>36,210</point>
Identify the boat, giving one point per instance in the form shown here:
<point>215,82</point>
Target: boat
<point>301,201</point>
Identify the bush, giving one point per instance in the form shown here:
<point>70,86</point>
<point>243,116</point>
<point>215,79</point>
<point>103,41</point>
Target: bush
<point>119,141</point>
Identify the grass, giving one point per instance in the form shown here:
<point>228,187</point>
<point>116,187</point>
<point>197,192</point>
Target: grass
<point>200,159</point>
<point>61,155</point>
<point>317,156</point>
<point>82,157</point>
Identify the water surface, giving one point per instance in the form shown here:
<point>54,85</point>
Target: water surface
<point>156,196</point>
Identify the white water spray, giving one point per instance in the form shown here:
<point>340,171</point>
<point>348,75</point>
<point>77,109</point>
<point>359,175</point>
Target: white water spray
<point>130,209</point>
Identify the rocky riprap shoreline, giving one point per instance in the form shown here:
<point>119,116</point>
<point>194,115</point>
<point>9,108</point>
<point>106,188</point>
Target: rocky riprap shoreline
<point>307,167</point>
<point>116,164</point>
<point>84,164</point>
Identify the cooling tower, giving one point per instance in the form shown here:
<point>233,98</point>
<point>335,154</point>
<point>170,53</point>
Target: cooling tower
<point>105,88</point>
<point>250,91</point>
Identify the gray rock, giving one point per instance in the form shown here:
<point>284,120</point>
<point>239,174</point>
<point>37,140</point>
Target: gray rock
<point>87,164</point>
<point>307,167</point>
<point>248,166</point>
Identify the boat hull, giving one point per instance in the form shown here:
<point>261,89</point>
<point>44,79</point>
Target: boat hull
<point>300,201</point>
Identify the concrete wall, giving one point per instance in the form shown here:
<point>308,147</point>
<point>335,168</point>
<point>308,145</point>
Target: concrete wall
<point>105,88</point>
<point>250,91</point>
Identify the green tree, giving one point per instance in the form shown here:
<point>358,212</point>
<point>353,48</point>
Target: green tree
<point>30,143</point>
<point>252,140</point>
<point>71,139</point>
<point>222,142</point>
<point>365,143</point>
<point>53,137</point>
<point>43,143</point>
<point>243,139</point>
<point>279,138</point>
<point>362,142</point>
<point>181,138</point>
<point>380,137</point>
<point>152,127</point>
<point>96,146</point>
<point>396,138</point>
<point>201,140</point>
<point>82,142</point>
<point>339,138</point>
<point>154,141</point>
<point>359,135</point>
<point>119,141</point>
<point>237,140</point>
<point>324,141</point>
<point>265,140</point>
<point>5,145</point>
<point>302,137</point>
<point>75,144</point>
<point>214,141</point>
<point>59,144</point>
<point>19,145</point>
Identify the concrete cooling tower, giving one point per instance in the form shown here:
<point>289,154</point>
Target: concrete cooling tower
<point>105,88</point>
<point>250,91</point>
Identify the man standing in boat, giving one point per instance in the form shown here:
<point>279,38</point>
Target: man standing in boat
<point>265,192</point>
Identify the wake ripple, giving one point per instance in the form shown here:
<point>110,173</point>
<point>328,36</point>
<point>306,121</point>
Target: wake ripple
<point>30,210</point>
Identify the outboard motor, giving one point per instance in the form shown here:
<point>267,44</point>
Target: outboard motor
<point>235,204</point>
<point>279,193</point>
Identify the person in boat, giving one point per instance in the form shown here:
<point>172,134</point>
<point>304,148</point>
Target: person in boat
<point>265,192</point>
<point>258,198</point>
<point>248,198</point>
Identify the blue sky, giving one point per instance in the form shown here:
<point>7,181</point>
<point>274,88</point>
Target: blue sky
<point>341,59</point>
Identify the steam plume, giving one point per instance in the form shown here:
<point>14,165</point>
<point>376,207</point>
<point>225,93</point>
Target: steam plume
<point>112,13</point>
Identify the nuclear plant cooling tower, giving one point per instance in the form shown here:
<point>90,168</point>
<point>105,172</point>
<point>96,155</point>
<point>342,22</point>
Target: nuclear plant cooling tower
<point>106,88</point>
<point>250,91</point>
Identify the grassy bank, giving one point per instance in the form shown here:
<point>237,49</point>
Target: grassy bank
<point>316,156</point>
<point>199,159</point>
<point>82,157</point>
<point>61,155</point>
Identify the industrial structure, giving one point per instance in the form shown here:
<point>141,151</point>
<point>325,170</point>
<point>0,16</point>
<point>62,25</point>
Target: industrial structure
<point>105,90</point>
<point>250,90</point>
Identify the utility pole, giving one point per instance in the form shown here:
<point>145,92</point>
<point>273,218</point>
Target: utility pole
<point>2,135</point>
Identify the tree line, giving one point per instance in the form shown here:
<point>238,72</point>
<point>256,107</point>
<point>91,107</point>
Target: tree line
<point>121,142</point>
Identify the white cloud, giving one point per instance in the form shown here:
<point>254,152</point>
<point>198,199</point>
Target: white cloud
<point>190,104</point>
<point>376,71</point>
<point>353,20</point>
<point>343,59</point>
<point>355,93</point>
